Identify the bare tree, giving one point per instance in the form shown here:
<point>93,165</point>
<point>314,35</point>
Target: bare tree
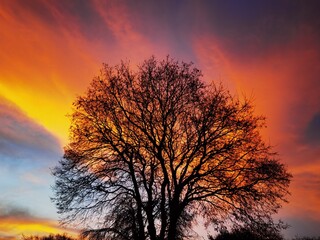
<point>152,150</point>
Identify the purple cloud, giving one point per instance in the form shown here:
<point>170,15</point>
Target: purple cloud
<point>22,138</point>
<point>312,131</point>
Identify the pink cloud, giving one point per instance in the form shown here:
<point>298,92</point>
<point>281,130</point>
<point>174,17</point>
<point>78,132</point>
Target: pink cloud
<point>132,44</point>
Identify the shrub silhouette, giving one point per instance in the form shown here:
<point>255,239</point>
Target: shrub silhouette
<point>48,237</point>
<point>248,234</point>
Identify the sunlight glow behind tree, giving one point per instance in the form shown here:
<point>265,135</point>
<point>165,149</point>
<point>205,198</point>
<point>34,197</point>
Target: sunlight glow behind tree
<point>152,150</point>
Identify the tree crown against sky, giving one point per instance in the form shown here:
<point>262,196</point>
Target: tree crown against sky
<point>153,150</point>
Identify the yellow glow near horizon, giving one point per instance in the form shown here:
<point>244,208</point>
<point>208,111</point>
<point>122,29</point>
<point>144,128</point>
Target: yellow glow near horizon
<point>15,228</point>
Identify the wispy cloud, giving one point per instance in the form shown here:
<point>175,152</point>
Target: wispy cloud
<point>127,32</point>
<point>282,71</point>
<point>45,60</point>
<point>27,151</point>
<point>312,131</point>
<point>302,226</point>
<point>22,138</point>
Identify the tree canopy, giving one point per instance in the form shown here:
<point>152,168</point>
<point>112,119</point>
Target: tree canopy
<point>152,150</point>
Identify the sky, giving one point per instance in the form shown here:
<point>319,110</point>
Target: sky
<point>51,50</point>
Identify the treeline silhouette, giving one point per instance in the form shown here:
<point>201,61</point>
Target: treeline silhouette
<point>49,237</point>
<point>248,234</point>
<point>236,234</point>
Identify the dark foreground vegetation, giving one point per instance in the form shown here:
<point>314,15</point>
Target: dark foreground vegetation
<point>239,234</point>
<point>247,234</point>
<point>49,237</point>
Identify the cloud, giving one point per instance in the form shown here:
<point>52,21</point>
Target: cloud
<point>9,211</point>
<point>305,188</point>
<point>27,152</point>
<point>284,81</point>
<point>284,78</point>
<point>51,50</point>
<point>312,131</point>
<point>15,221</point>
<point>126,31</point>
<point>45,61</point>
<point>23,139</point>
<point>253,28</point>
<point>302,226</point>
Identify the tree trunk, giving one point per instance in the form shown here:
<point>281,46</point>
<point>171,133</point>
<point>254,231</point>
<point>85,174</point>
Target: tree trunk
<point>172,233</point>
<point>174,216</point>
<point>141,234</point>
<point>151,227</point>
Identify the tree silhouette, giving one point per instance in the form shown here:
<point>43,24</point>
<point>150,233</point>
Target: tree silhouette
<point>306,238</point>
<point>152,150</point>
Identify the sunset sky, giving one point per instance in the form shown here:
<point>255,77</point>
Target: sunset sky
<point>50,51</point>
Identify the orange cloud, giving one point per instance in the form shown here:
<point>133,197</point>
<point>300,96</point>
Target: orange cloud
<point>42,67</point>
<point>47,58</point>
<point>51,50</point>
<point>283,82</point>
<point>132,43</point>
<point>15,221</point>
